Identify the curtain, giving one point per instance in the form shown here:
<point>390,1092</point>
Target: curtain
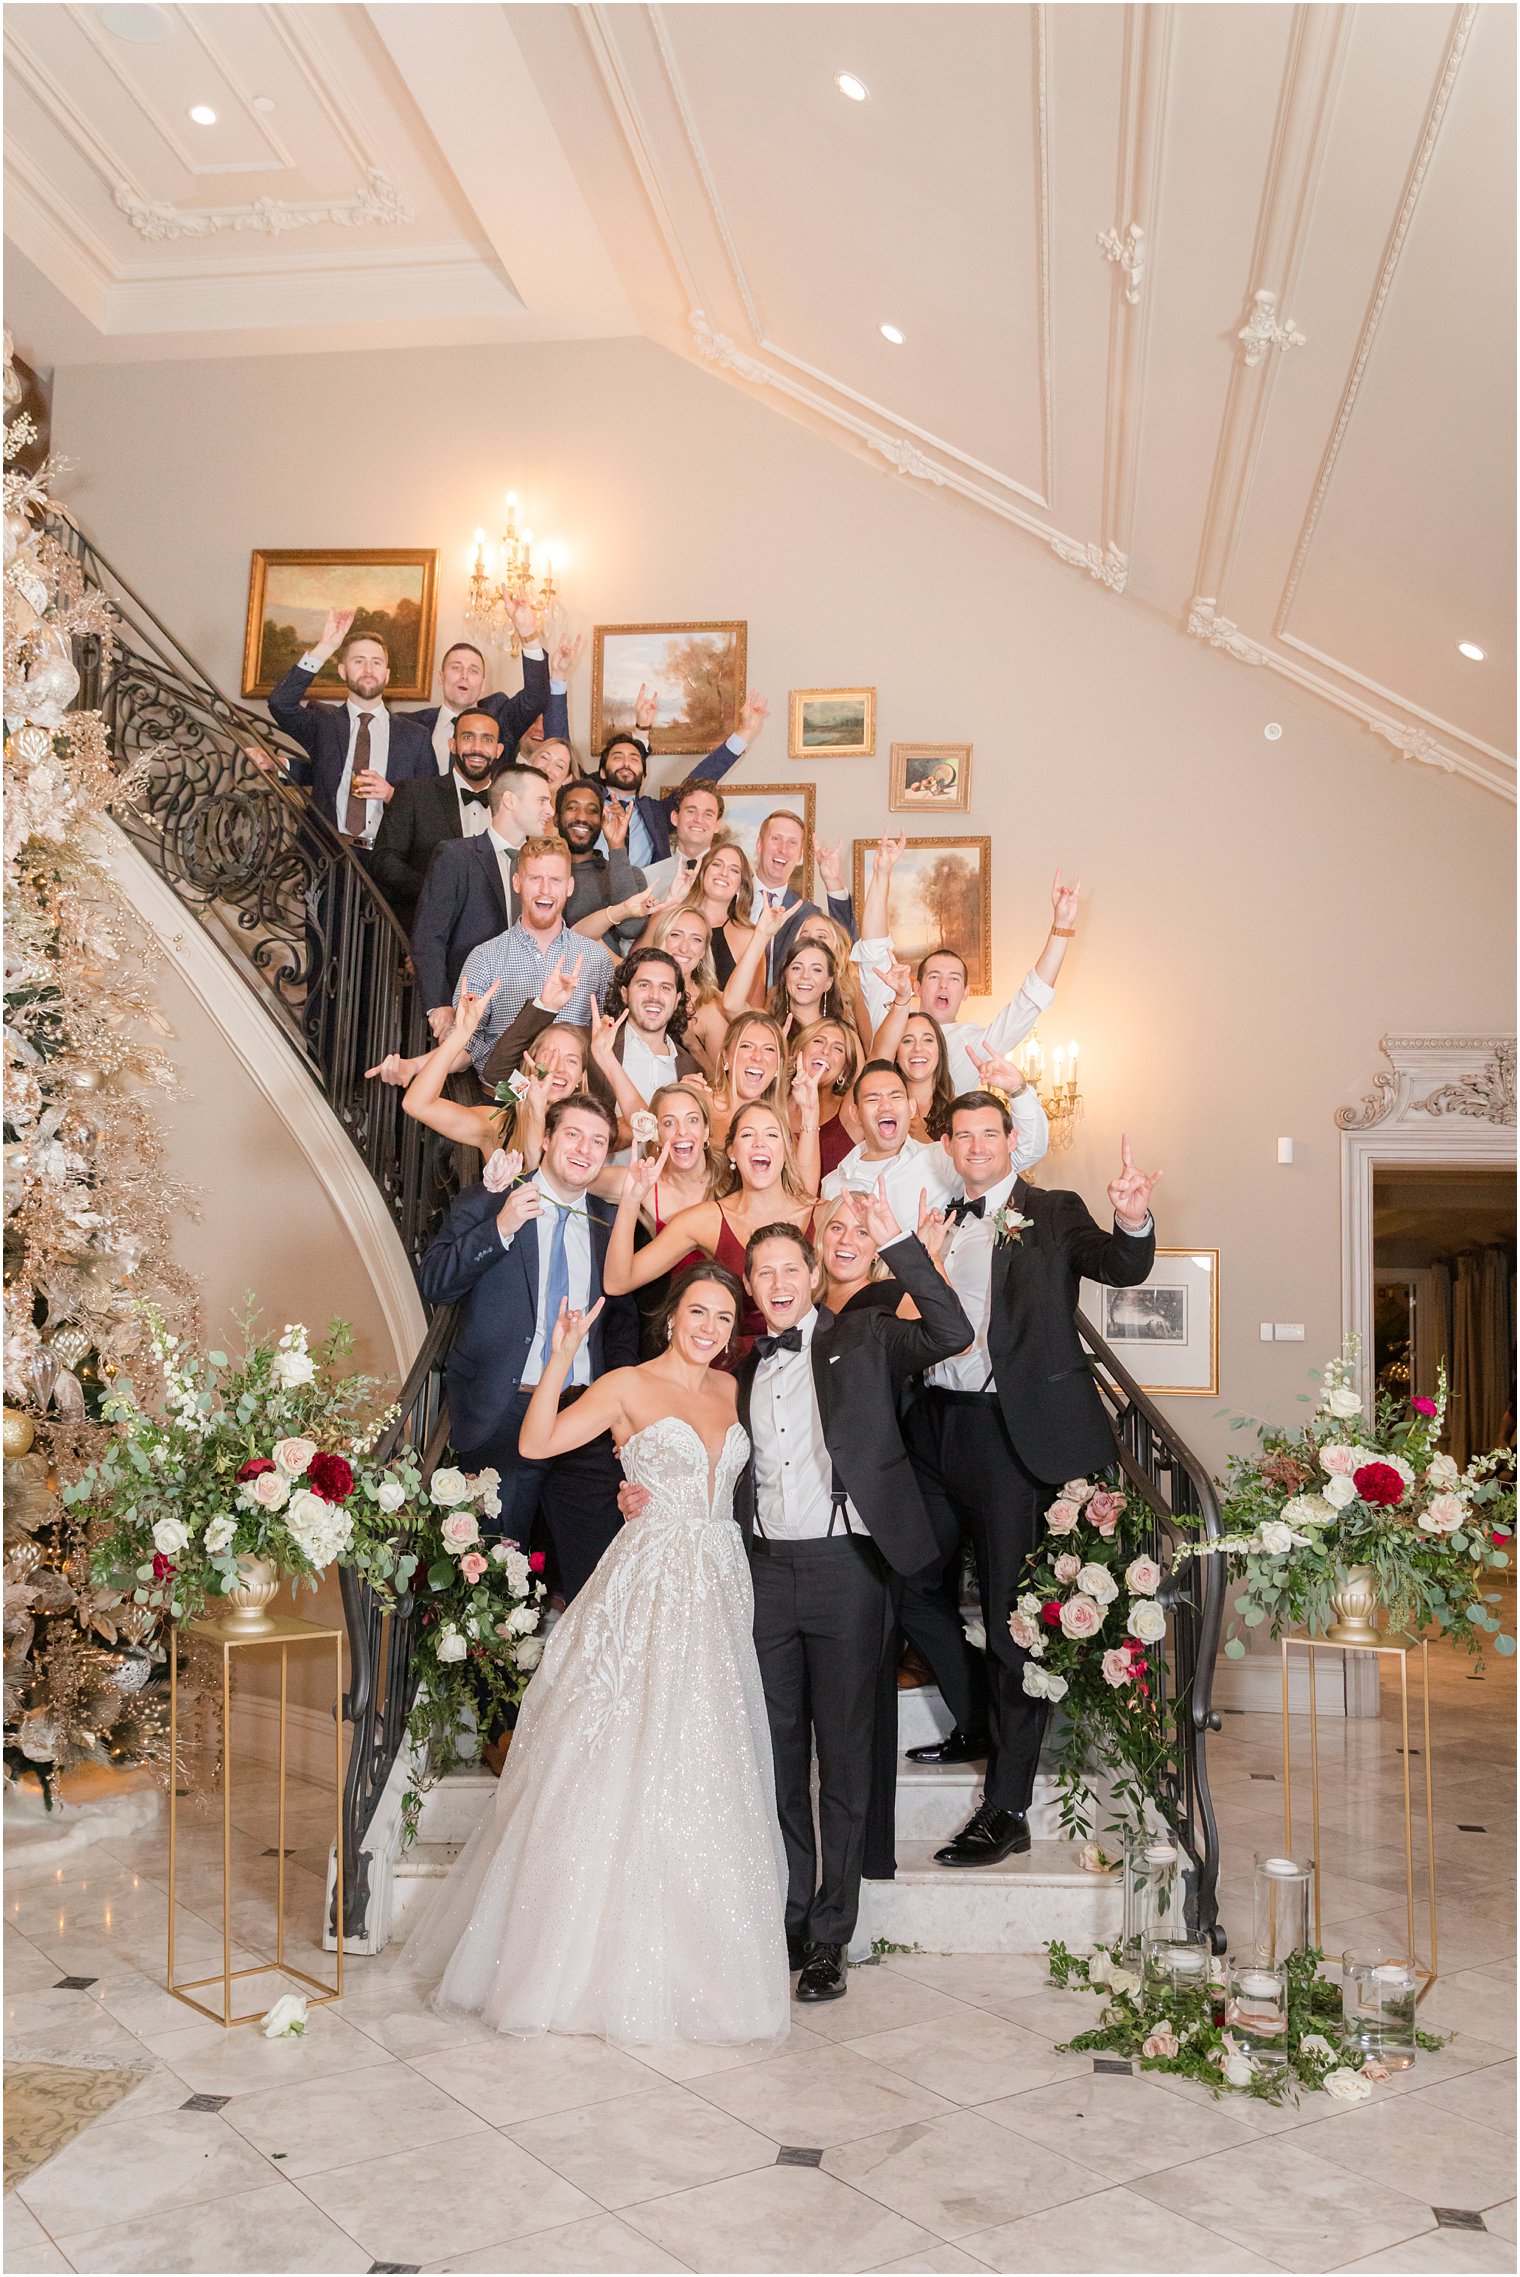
<point>1482,1352</point>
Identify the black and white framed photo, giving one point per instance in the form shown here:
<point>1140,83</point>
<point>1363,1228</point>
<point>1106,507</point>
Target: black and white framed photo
<point>1166,1332</point>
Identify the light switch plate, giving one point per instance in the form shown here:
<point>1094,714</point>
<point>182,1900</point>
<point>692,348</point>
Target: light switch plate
<point>1290,1332</point>
<point>1267,1332</point>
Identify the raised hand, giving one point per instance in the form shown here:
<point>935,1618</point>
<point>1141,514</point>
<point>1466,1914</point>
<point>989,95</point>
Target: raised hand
<point>889,849</point>
<point>641,1178</point>
<point>522,1203</point>
<point>1130,1192</point>
<point>933,1225</point>
<point>501,1172</point>
<point>899,978</point>
<point>524,618</point>
<point>572,1328</point>
<point>881,1225</point>
<point>645,704</point>
<point>1063,900</point>
<point>394,1069</point>
<point>604,1035</point>
<point>770,920</point>
<point>562,986</point>
<point>753,717</point>
<point>615,822</point>
<point>644,903</point>
<point>335,631</point>
<point>804,1089</point>
<point>470,1009</point>
<point>566,655</point>
<point>996,1071</point>
<point>829,867</point>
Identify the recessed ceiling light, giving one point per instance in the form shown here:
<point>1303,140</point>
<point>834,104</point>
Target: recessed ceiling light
<point>1471,650</point>
<point>890,332</point>
<point>848,84</point>
<point>203,114</point>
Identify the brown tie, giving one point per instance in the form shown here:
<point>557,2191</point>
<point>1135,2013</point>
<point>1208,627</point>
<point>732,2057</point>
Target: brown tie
<point>356,813</point>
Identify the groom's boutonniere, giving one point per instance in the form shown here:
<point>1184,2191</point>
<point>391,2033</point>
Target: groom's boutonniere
<point>1007,1225</point>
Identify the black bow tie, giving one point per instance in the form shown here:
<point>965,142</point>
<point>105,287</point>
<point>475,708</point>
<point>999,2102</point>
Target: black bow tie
<point>789,1340</point>
<point>473,798</point>
<point>959,1210</point>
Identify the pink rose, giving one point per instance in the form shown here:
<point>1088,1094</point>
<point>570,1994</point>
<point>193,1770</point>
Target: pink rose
<point>460,1531</point>
<point>1081,1617</point>
<point>1161,2042</point>
<point>1061,1518</point>
<point>293,1456</point>
<point>1067,1567</point>
<point>1023,1631</point>
<point>1076,1490</point>
<point>1443,1514</point>
<point>269,1489</point>
<point>1372,2069</point>
<point>1340,1462</point>
<point>1117,1668</point>
<point>1143,1576</point>
<point>1425,1407</point>
<point>1104,1511</point>
<point>473,1566</point>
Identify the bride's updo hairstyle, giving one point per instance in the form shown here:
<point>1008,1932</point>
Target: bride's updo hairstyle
<point>689,1277</point>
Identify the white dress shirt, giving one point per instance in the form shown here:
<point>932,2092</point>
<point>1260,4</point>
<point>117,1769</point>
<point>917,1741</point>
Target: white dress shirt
<point>506,861</point>
<point>577,1258</point>
<point>794,1474</point>
<point>967,1260</point>
<point>379,762</point>
<point>645,1070</point>
<point>474,814</point>
<point>919,1166</point>
<point>1002,1033</point>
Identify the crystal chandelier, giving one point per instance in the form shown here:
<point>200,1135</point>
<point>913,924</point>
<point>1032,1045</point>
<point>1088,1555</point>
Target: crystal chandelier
<point>1056,1089</point>
<point>494,587</point>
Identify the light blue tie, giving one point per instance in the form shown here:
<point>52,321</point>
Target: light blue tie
<point>559,1272</point>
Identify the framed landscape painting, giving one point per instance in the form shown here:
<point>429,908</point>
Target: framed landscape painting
<point>1166,1332</point>
<point>832,723</point>
<point>392,590</point>
<point>697,671</point>
<point>930,778</point>
<point>745,808</point>
<point>940,898</point>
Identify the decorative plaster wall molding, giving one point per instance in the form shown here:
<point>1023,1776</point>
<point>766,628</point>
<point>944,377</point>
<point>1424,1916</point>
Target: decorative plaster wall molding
<point>1262,330</point>
<point>1205,623</point>
<point>378,200</point>
<point>1415,744</point>
<point>900,453</point>
<point>725,353</point>
<point>1489,1096</point>
<point>1106,563</point>
<point>1478,1073</point>
<point>1130,251</point>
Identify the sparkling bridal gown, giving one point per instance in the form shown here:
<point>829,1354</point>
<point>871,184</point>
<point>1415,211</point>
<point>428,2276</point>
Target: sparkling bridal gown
<point>630,1881</point>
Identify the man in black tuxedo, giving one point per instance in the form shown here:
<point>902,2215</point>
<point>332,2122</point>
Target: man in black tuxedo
<point>623,765</point>
<point>1001,1426</point>
<point>467,896</point>
<point>432,808</point>
<point>462,682</point>
<point>508,1261</point>
<point>778,850</point>
<point>357,752</point>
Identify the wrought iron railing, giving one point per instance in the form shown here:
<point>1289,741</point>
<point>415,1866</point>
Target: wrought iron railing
<point>1179,1493</point>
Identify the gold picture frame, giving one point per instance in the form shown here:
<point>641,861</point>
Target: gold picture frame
<point>291,588</point>
<point>936,902</point>
<point>1168,1326</point>
<point>929,778</point>
<point>745,807</point>
<point>832,723</point>
<point>701,666</point>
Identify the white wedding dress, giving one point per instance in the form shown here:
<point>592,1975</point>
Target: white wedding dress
<point>630,1880</point>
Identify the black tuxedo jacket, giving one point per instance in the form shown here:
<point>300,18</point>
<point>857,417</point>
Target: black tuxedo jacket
<point>423,813</point>
<point>840,907</point>
<point>464,901</point>
<point>862,1359</point>
<point>322,730</point>
<point>514,715</point>
<point>496,1291</point>
<point>531,1021</point>
<point>1055,1418</point>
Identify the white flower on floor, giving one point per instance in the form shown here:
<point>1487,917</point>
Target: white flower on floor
<point>1239,2070</point>
<point>287,2019</point>
<point>1094,1859</point>
<point>170,1536</point>
<point>1098,1967</point>
<point>451,1645</point>
<point>1122,1981</point>
<point>1347,2086</point>
<point>1315,2044</point>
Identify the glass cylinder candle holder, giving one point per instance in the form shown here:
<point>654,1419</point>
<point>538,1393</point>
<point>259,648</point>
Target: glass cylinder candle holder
<point>1379,1988</point>
<point>1174,1967</point>
<point>1154,1896</point>
<point>1256,2012</point>
<point>1281,1910</point>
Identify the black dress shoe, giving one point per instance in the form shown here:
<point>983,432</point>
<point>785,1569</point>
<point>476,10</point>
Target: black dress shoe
<point>987,1837</point>
<point>796,1951</point>
<point>824,1976</point>
<point>960,1747</point>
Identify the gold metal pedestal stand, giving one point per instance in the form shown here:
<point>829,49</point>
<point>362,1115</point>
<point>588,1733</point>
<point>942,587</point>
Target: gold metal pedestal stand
<point>285,1631</point>
<point>1403,1650</point>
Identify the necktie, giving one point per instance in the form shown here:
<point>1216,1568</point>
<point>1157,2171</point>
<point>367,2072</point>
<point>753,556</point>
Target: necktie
<point>474,798</point>
<point>789,1340</point>
<point>558,1291</point>
<point>959,1210</point>
<point>356,813</point>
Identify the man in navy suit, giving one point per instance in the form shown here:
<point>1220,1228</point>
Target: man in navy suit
<point>462,681</point>
<point>355,752</point>
<point>778,850</point>
<point>624,764</point>
<point>467,895</point>
<point>509,1262</point>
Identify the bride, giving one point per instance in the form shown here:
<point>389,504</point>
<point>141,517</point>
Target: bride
<point>631,1878</point>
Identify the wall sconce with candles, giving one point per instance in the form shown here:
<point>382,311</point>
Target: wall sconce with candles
<point>494,587</point>
<point>1058,1095</point>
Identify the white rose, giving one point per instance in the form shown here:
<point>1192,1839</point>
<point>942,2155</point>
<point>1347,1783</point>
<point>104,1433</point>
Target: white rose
<point>1081,1617</point>
<point>1338,1459</point>
<point>219,1534</point>
<point>1098,1968</point>
<point>1341,1400</point>
<point>491,1505</point>
<point>528,1652</point>
<point>1346,2086</point>
<point>292,1456</point>
<point>268,1491</point>
<point>1239,2070</point>
<point>518,1569</point>
<point>1146,1621</point>
<point>1315,2044</point>
<point>1142,1577</point>
<point>1098,1582</point>
<point>488,1479</point>
<point>1276,1538</point>
<point>319,1528</point>
<point>1443,1473</point>
<point>451,1645</point>
<point>1397,1463</point>
<point>1077,1490</point>
<point>292,1369</point>
<point>170,1536</point>
<point>449,1487</point>
<point>1061,1518</point>
<point>390,1494</point>
<point>1042,1684</point>
<point>1340,1491</point>
<point>287,2019</point>
<point>522,1620</point>
<point>1029,1606</point>
<point>460,1531</point>
<point>1443,1515</point>
<point>1123,1980</point>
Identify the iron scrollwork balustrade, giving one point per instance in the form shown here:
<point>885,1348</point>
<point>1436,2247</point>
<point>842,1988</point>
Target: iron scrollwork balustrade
<point>1178,1492</point>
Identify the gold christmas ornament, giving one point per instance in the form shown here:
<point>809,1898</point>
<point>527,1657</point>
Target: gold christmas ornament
<point>87,1079</point>
<point>20,1431</point>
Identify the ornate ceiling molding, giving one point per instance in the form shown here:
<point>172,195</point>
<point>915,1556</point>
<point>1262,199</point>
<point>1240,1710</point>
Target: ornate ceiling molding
<point>1130,252</point>
<point>378,200</point>
<point>1478,1083</point>
<point>1261,331</point>
<point>1105,563</point>
<point>725,353</point>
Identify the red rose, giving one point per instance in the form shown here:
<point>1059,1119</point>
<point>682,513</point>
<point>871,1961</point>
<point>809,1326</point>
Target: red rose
<point>535,1561</point>
<point>253,1466</point>
<point>1379,1483</point>
<point>1499,1534</point>
<point>1051,1614</point>
<point>162,1566</point>
<point>330,1477</point>
<point>1423,1406</point>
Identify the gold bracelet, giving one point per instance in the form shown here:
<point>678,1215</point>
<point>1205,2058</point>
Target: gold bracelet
<point>1064,932</point>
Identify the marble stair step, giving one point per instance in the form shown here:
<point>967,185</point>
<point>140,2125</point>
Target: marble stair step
<point>935,1801</point>
<point>1011,1908</point>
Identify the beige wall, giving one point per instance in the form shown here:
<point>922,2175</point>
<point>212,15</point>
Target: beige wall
<point>1257,914</point>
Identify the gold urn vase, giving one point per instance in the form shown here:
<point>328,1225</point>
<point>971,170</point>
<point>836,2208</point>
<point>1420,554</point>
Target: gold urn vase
<point>251,1595</point>
<point>1357,1604</point>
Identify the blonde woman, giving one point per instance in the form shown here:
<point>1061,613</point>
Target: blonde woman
<point>830,1053</point>
<point>751,1065</point>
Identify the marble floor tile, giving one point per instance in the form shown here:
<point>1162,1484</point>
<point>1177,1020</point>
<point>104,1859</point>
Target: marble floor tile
<point>1472,2001</point>
<point>602,2243</point>
<point>506,2079</point>
<point>27,1967</point>
<point>986,1980</point>
<point>425,2208</point>
<point>1464,2253</point>
<point>687,2059</point>
<point>345,2116</point>
<point>780,2218</point>
<point>214,2061</point>
<point>1116,2232</point>
<point>41,2020</point>
<point>1429,2153</point>
<point>644,2146</point>
<point>274,2228</point>
<point>1121,2128</point>
<point>412,2031</point>
<point>1273,2198</point>
<point>121,2169</point>
<point>1052,2015</point>
<point>1248,2111</point>
<point>956,2174</point>
<point>970,2058</point>
<point>938,2261</point>
<point>879,2001</point>
<point>820,2096</point>
<point>1501,2220</point>
<point>28,2249</point>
